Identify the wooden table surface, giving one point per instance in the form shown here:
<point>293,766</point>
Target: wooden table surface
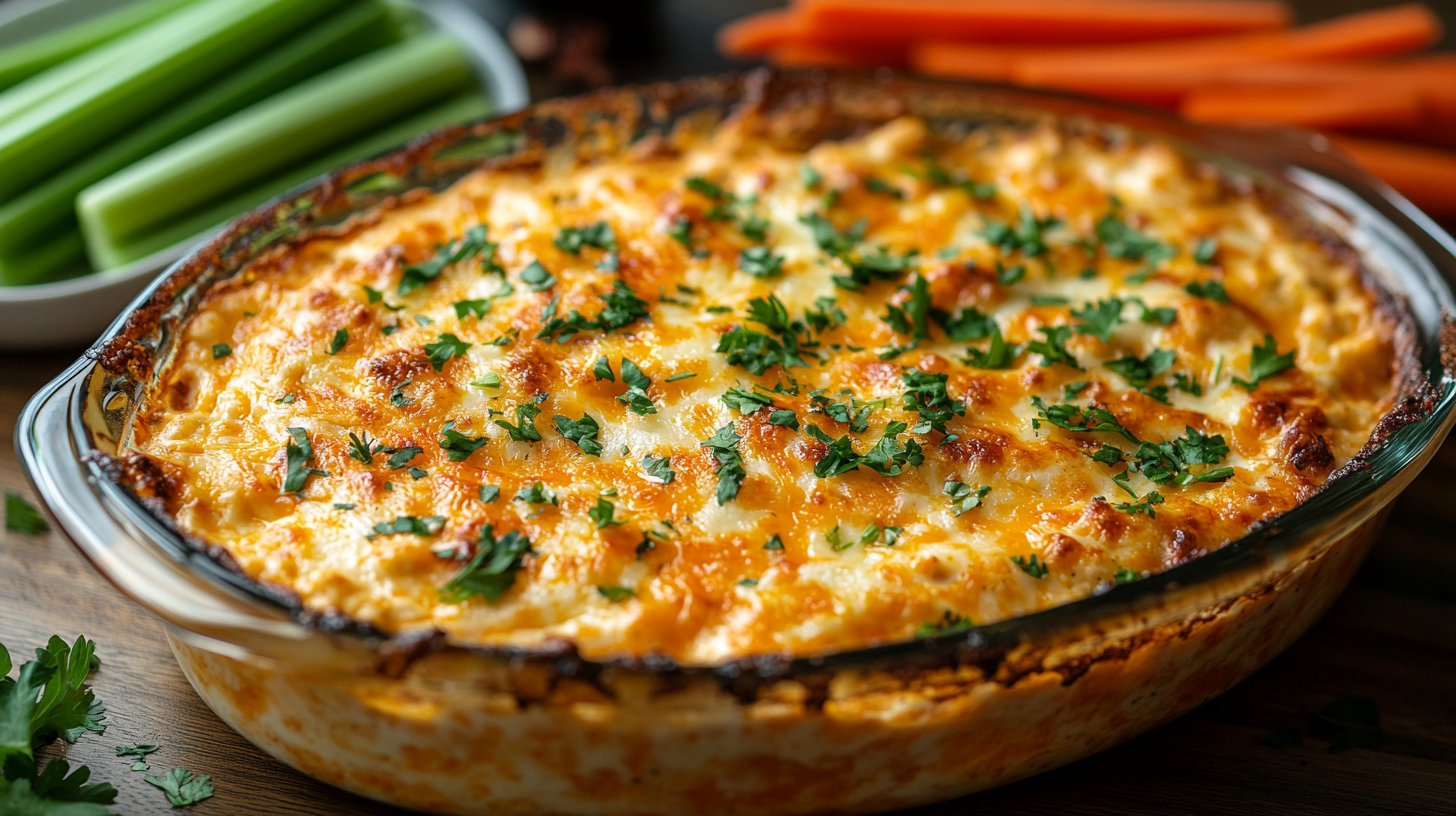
<point>1392,636</point>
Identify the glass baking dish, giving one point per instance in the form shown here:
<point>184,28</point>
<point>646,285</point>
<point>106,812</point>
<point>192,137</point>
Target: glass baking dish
<point>426,724</point>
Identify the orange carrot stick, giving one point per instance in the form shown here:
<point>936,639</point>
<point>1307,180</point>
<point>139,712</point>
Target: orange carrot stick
<point>1060,21</point>
<point>1336,106</point>
<point>1166,65</point>
<point>1424,175</point>
<point>760,33</point>
<point>798,54</point>
<point>969,61</point>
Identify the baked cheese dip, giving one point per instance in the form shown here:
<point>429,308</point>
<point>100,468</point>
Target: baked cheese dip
<point>729,399</point>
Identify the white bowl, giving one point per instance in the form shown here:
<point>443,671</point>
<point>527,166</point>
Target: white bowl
<point>76,311</point>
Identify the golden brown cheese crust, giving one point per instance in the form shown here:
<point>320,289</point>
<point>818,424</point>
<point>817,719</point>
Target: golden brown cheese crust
<point>795,561</point>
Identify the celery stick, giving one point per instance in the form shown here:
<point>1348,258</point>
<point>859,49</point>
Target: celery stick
<point>49,261</point>
<point>195,227</point>
<point>26,59</point>
<point>168,59</point>
<point>272,135</point>
<point>49,207</point>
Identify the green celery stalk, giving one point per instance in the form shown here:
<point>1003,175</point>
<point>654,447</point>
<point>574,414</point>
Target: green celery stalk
<point>26,59</point>
<point>195,227</point>
<point>51,260</point>
<point>49,208</point>
<point>165,60</point>
<point>258,142</point>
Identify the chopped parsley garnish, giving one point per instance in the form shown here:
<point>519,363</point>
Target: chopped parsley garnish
<point>604,514</point>
<point>1026,236</point>
<point>912,318</point>
<point>286,399</point>
<point>1031,566</point>
<point>1208,290</point>
<point>493,569</point>
<point>616,593</point>
<point>298,454</point>
<point>811,177</point>
<point>599,235</point>
<point>581,431</point>
<point>1144,506</point>
<point>939,175</point>
<point>536,493</point>
<point>621,308</point>
<point>873,266</point>
<point>489,379</point>
<point>336,343</point>
<point>1205,250</point>
<point>536,277</point>
<point>1187,384</point>
<point>21,517</point>
<point>423,527</point>
<point>396,394</point>
<point>182,787</point>
<point>1053,349</point>
<point>785,418</point>
<point>681,376</point>
<point>489,493</point>
<point>659,469</point>
<point>757,352</point>
<point>926,395</point>
<point>602,370</point>
<point>457,445</point>
<point>444,349</point>
<point>473,243</point>
<point>730,472</point>
<point>636,397</point>
<point>221,350</point>
<point>363,448</point>
<point>1072,389</point>
<point>962,497</point>
<point>1099,319</point>
<point>525,428</point>
<point>745,402</point>
<point>1122,241</point>
<point>760,262</point>
<point>969,325</point>
<point>1008,275</point>
<point>999,354</point>
<point>1138,371</point>
<point>140,752</point>
<point>481,307</point>
<point>879,186</point>
<point>888,457</point>
<point>1126,576</point>
<point>703,186</point>
<point>949,623</point>
<point>1265,363</point>
<point>1163,463</point>
<point>681,230</point>
<point>774,543</point>
<point>829,238</point>
<point>418,473</point>
<point>400,457</point>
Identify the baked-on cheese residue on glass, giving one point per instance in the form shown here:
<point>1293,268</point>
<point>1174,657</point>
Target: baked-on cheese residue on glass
<point>736,400</point>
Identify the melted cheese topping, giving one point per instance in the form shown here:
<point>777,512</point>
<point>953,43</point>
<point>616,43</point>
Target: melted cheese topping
<point>682,574</point>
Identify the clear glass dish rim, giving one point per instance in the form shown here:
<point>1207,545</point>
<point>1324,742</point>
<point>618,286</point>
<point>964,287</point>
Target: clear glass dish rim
<point>1299,162</point>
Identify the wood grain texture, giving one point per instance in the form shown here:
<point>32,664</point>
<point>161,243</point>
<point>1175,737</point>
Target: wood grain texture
<point>1392,636</point>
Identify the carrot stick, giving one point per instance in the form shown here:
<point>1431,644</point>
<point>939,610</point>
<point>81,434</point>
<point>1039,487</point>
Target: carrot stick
<point>1061,21</point>
<point>1163,67</point>
<point>1321,106</point>
<point>1424,175</point>
<point>760,33</point>
<point>969,61</point>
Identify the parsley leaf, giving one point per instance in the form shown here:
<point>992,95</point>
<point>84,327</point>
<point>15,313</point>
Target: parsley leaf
<point>492,570</point>
<point>471,244</point>
<point>599,235</point>
<point>298,453</point>
<point>636,397</point>
<point>1205,251</point>
<point>1101,319</point>
<point>489,493</point>
<point>1122,241</point>
<point>536,277</point>
<point>221,350</point>
<point>396,394</point>
<point>621,307</point>
<point>1126,576</point>
<point>604,514</point>
<point>1026,235</point>
<point>427,526</point>
<point>616,593</point>
<point>999,354</point>
<point>949,623</point>
<point>1031,566</point>
<point>926,395</point>
<point>363,447</point>
<point>745,402</point>
<point>913,318</point>
<point>22,517</point>
<point>1053,349</point>
<point>659,470</point>
<point>457,445</point>
<point>336,345</point>
<point>447,347</point>
<point>489,379</point>
<point>581,431</point>
<point>1006,276</point>
<point>1265,362</point>
<point>1208,290</point>
<point>828,237</point>
<point>785,418</point>
<point>938,175</point>
<point>183,787</point>
<point>879,186</point>
<point>760,262</point>
<point>536,494</point>
<point>1138,371</point>
<point>602,370</point>
<point>969,325</point>
<point>1144,506</point>
<point>525,428</point>
<point>48,698</point>
<point>825,314</point>
<point>730,471</point>
<point>962,497</point>
<point>400,457</point>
